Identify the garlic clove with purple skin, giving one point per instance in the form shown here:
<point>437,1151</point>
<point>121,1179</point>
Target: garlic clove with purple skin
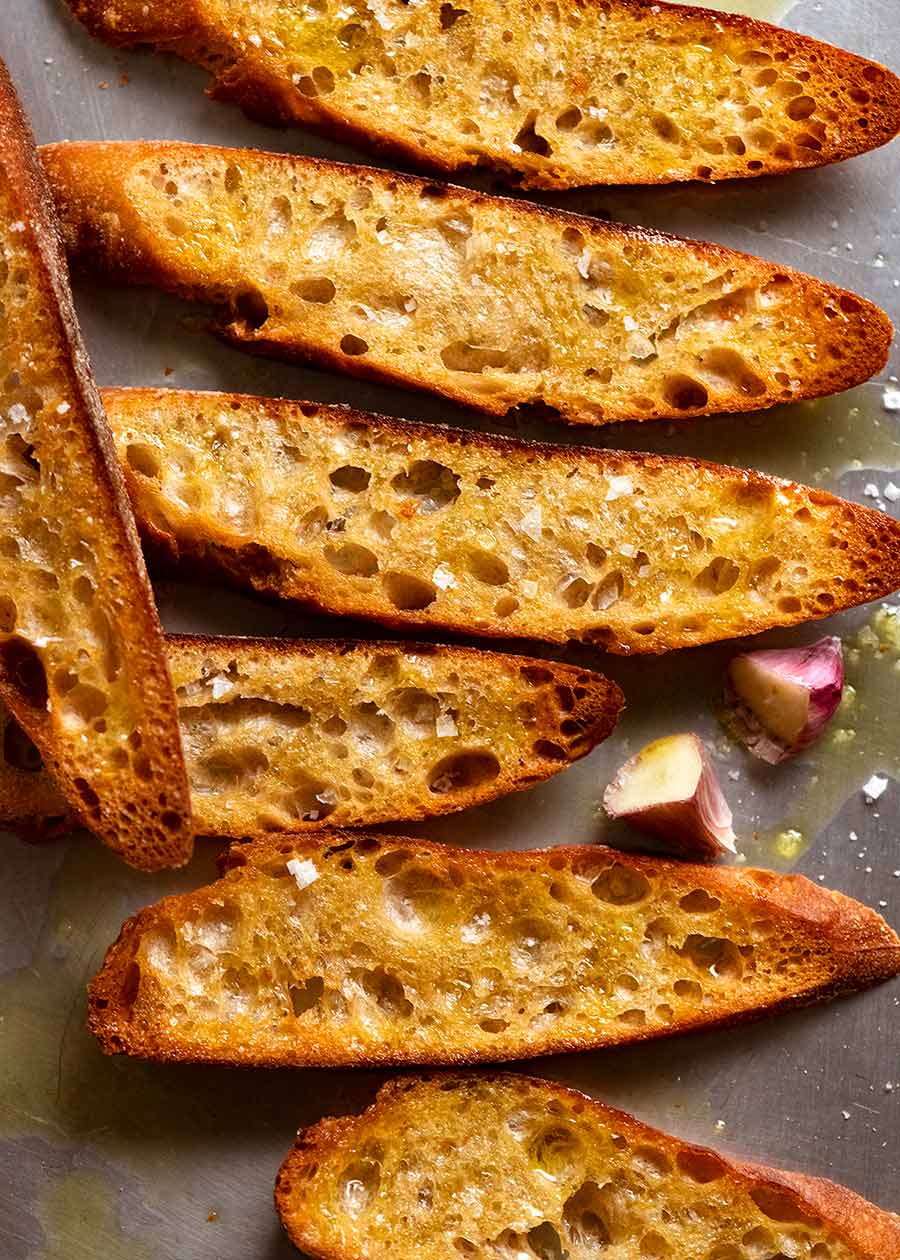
<point>670,788</point>
<point>780,700</point>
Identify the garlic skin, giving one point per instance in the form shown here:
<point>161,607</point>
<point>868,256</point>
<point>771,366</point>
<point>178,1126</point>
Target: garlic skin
<point>670,788</point>
<point>780,700</point>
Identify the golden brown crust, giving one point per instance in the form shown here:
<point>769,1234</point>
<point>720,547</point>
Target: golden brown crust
<point>143,817</point>
<point>247,73</point>
<point>873,1233</point>
<point>861,951</point>
<point>865,566</point>
<point>94,185</point>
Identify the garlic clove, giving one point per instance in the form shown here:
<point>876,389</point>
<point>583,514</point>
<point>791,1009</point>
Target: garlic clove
<point>670,788</point>
<point>781,699</point>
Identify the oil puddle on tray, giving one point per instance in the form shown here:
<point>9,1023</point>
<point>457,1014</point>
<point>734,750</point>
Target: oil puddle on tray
<point>860,743</point>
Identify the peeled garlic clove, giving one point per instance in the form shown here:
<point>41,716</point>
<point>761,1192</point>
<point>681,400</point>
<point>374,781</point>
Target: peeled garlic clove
<point>670,788</point>
<point>780,700</point>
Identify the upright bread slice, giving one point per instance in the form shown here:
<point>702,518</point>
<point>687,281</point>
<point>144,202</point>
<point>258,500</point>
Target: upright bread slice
<point>509,1166</point>
<point>491,302</point>
<point>280,735</point>
<point>558,94</point>
<point>415,525</point>
<point>82,664</point>
<point>378,950</point>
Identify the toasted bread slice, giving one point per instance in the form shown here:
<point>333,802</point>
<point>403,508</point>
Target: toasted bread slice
<point>285,734</point>
<point>491,302</point>
<point>556,94</point>
<point>379,950</point>
<point>487,1166</point>
<point>82,663</point>
<point>415,525</point>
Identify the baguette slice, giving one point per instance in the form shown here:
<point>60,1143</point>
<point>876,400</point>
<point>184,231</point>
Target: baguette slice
<point>286,734</point>
<point>379,950</point>
<point>557,94</point>
<point>508,1166</point>
<point>415,525</point>
<point>491,302</point>
<point>82,663</point>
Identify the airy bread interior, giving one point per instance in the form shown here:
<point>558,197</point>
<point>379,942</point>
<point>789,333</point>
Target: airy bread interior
<point>82,663</point>
<point>418,525</point>
<point>372,949</point>
<point>490,1167</point>
<point>559,94</point>
<point>283,735</point>
<point>493,302</point>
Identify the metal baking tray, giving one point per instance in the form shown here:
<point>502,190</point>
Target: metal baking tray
<point>119,1159</point>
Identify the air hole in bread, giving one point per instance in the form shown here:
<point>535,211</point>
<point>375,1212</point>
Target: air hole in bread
<point>89,798</point>
<point>574,592</point>
<point>699,902</point>
<point>714,955</point>
<point>666,128</point>
<point>416,710</point>
<point>353,345</point>
<point>350,478</point>
<point>409,592</point>
<point>250,308</point>
<point>319,289</point>
<point>463,771</point>
<point>556,1151</point>
<point>24,667</point>
<point>434,485</point>
<point>701,1166</point>
<point>620,885</point>
<point>718,576</point>
<point>371,728</point>
<point>84,704</point>
<point>449,16</point>
<point>463,356</point>
<point>331,238</point>
<point>545,1243</point>
<point>528,140</point>
<point>319,83</point>
<point>351,559</point>
<point>549,750</point>
<point>609,591</point>
<point>586,1216</point>
<point>683,393</point>
<point>729,370</point>
<point>412,896</point>
<point>387,992</point>
<point>569,119</point>
<point>419,85</point>
<point>801,107</point>
<point>781,1206</point>
<point>307,996</point>
<point>487,567</point>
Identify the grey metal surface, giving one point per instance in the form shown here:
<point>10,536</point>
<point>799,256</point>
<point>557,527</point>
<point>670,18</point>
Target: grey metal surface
<point>104,1158</point>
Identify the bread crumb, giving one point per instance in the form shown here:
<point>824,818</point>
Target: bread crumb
<point>304,872</point>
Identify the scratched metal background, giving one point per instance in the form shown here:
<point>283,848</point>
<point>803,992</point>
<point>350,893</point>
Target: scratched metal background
<point>120,1159</point>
